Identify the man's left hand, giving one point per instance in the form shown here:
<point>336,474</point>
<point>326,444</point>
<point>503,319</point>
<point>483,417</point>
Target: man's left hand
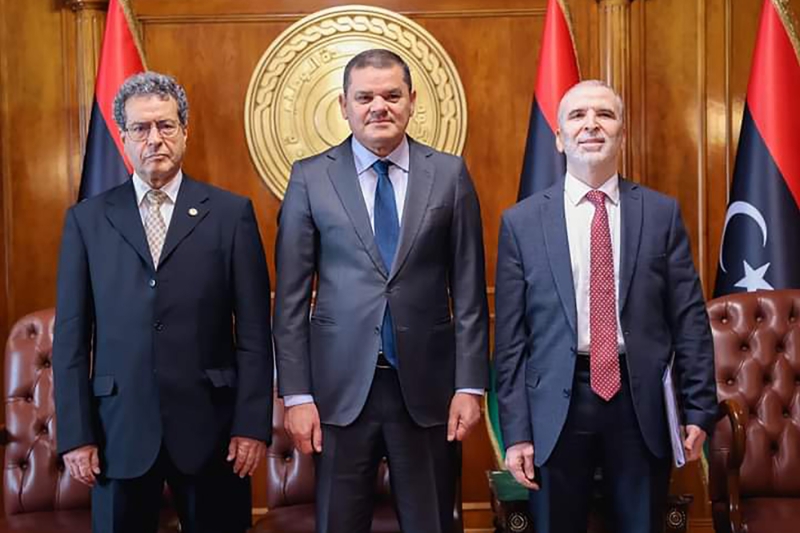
<point>245,454</point>
<point>465,411</point>
<point>695,437</point>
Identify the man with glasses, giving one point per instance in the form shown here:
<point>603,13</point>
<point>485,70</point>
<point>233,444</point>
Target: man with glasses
<point>162,353</point>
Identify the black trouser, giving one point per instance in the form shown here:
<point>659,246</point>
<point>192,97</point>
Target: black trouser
<point>422,467</point>
<point>606,434</point>
<point>212,501</point>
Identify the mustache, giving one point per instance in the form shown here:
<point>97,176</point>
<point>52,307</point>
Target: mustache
<point>588,138</point>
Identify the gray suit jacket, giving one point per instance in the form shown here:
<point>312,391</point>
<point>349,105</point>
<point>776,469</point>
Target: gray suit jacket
<point>662,311</point>
<point>435,288</point>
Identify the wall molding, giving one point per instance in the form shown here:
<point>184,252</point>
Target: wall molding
<point>291,17</point>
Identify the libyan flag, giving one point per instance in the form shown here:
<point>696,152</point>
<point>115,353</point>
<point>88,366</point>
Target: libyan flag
<point>760,244</point>
<point>104,162</point>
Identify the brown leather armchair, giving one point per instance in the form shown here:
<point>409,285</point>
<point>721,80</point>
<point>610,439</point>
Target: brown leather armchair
<point>290,489</point>
<point>754,464</point>
<point>39,495</point>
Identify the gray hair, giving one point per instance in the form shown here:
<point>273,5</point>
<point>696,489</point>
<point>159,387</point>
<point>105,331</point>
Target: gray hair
<point>379,58</point>
<point>150,83</point>
<point>591,83</point>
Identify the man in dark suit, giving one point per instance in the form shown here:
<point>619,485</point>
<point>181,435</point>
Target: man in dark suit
<point>162,355</point>
<point>394,358</point>
<point>596,290</point>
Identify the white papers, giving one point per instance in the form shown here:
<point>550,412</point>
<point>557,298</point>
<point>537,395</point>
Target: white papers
<point>676,431</point>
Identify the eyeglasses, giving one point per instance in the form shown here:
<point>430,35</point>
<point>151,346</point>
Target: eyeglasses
<point>139,131</point>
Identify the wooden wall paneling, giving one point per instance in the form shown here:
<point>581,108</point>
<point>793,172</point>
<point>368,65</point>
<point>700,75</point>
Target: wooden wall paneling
<point>637,96</point>
<point>615,63</point>
<point>4,172</point>
<point>36,144</point>
<point>90,21</point>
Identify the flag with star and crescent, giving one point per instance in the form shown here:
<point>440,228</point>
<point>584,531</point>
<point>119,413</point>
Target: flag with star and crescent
<point>760,246</point>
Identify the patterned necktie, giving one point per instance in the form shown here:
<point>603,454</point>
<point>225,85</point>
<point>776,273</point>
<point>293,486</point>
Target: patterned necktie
<point>387,232</point>
<point>604,359</point>
<point>154,226</point>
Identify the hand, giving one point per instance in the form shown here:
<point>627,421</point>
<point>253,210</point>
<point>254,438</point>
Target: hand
<point>302,423</point>
<point>465,411</point>
<point>83,464</point>
<point>246,454</point>
<point>519,461</point>
<point>695,437</point>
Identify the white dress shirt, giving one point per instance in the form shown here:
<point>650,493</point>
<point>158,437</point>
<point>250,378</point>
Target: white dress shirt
<point>579,212</point>
<point>170,189</point>
<point>368,181</point>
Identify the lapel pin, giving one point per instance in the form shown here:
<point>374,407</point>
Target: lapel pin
<point>192,212</point>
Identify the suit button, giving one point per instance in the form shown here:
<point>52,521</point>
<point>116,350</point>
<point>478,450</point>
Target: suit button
<point>152,283</point>
<point>159,326</point>
<point>567,393</point>
<point>377,330</point>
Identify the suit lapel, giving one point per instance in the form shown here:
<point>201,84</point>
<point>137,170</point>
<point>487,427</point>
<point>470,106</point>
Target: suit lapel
<point>631,232</point>
<point>342,173</point>
<point>420,183</point>
<point>123,213</point>
<point>554,225</point>
<point>190,208</point>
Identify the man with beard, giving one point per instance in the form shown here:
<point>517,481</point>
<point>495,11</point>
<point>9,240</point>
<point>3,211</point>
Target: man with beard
<point>596,290</point>
<point>394,358</point>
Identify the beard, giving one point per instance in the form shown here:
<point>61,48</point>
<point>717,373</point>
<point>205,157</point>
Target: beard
<point>574,151</point>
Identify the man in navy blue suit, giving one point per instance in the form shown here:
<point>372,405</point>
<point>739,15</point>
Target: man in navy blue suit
<point>162,353</point>
<point>596,292</point>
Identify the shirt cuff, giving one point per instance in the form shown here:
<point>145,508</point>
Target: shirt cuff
<point>477,392</point>
<point>296,399</point>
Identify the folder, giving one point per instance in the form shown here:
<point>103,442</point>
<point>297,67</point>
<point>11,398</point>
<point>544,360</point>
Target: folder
<point>676,430</point>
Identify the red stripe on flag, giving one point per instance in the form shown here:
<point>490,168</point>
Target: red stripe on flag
<point>773,95</point>
<point>558,67</point>
<point>119,59</point>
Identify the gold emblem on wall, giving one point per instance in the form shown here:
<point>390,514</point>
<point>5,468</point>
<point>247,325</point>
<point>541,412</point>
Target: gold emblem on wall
<point>292,109</point>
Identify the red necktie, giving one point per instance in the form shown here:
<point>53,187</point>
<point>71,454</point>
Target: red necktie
<point>604,359</point>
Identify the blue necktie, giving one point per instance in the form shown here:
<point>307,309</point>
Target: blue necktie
<point>387,232</point>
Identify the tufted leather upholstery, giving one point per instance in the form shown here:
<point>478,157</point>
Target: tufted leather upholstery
<point>755,451</point>
<point>290,489</point>
<point>39,496</point>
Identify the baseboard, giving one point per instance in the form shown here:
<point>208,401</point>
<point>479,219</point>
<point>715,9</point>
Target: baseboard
<point>478,517</point>
<point>701,525</point>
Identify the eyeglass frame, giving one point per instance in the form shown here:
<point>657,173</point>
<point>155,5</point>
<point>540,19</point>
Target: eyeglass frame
<point>160,126</point>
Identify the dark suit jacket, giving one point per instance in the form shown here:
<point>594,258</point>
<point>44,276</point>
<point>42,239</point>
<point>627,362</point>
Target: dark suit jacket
<point>170,363</point>
<point>662,312</point>
<point>325,234</point>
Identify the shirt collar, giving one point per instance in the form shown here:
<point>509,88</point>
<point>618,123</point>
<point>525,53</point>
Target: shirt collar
<point>171,188</point>
<point>576,190</point>
<point>364,158</point>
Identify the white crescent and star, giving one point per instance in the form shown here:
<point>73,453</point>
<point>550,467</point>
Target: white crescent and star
<point>753,277</point>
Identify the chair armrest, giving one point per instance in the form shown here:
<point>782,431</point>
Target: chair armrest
<point>738,420</point>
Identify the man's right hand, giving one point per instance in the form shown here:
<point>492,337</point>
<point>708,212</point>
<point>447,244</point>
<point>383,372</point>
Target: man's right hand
<point>302,423</point>
<point>519,461</point>
<point>83,464</point>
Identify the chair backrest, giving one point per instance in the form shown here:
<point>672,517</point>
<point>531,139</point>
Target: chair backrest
<point>290,474</point>
<point>757,355</point>
<point>34,479</point>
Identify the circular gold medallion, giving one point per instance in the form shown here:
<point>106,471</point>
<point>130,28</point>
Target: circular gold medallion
<point>292,108</point>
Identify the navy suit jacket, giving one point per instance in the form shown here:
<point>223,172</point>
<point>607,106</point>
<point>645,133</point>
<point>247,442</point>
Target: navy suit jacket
<point>662,312</point>
<point>170,364</point>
